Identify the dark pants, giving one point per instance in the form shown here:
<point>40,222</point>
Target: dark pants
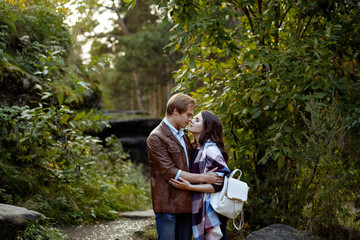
<point>173,226</point>
<point>223,221</point>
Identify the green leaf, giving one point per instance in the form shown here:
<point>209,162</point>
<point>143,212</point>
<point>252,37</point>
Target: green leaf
<point>256,114</point>
<point>287,129</point>
<point>64,118</point>
<point>174,48</point>
<point>281,161</point>
<point>69,100</point>
<point>192,63</point>
<point>85,85</point>
<point>319,95</point>
<point>79,116</point>
<point>61,98</point>
<point>276,136</point>
<point>46,95</point>
<point>287,151</point>
<point>183,59</point>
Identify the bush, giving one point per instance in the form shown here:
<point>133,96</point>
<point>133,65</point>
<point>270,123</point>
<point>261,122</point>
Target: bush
<point>48,164</point>
<point>258,68</point>
<point>326,175</point>
<point>40,231</point>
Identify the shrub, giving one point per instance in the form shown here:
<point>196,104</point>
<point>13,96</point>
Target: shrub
<point>48,164</point>
<point>40,231</point>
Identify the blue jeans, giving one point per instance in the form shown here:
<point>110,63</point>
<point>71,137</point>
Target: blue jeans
<point>173,226</point>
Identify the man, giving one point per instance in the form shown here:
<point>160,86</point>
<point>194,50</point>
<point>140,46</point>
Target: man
<point>169,152</point>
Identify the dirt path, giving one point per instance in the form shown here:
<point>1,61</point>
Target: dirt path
<point>121,229</point>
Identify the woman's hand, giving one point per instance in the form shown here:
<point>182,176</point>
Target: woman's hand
<point>181,184</point>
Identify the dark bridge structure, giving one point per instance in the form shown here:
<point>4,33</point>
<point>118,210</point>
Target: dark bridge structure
<point>132,134</point>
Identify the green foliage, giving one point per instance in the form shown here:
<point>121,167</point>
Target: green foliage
<point>322,176</point>
<point>37,41</point>
<point>258,64</point>
<point>48,160</point>
<point>49,164</point>
<point>143,53</point>
<point>149,233</point>
<point>40,231</point>
<point>141,69</point>
<point>28,35</point>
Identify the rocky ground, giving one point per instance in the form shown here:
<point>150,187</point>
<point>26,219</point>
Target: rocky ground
<point>121,229</point>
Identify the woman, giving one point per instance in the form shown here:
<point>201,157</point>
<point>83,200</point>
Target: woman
<point>209,153</point>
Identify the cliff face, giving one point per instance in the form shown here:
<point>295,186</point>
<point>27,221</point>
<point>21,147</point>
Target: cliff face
<point>17,87</point>
<point>20,88</point>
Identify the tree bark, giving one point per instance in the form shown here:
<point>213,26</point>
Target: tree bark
<point>153,100</point>
<point>138,90</point>
<point>135,74</point>
<point>161,108</point>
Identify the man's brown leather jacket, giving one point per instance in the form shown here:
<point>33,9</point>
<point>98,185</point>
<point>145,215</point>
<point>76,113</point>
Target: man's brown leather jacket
<point>166,156</point>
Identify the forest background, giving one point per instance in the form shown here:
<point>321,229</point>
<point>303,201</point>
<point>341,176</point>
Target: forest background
<point>282,75</point>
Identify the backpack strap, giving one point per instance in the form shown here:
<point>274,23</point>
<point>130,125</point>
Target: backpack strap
<point>241,223</point>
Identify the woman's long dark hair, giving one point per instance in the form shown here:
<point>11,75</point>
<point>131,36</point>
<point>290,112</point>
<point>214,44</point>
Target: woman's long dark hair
<point>213,130</point>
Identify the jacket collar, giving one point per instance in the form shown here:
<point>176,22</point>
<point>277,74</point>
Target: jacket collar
<point>170,134</point>
<point>166,129</point>
<point>175,131</point>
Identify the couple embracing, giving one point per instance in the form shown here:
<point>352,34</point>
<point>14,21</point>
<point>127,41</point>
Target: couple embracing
<point>183,174</point>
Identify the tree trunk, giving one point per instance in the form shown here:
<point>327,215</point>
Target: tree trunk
<point>161,111</point>
<point>132,102</point>
<point>153,100</point>
<point>138,90</point>
<point>135,74</point>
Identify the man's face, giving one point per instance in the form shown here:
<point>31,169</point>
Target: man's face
<point>183,119</point>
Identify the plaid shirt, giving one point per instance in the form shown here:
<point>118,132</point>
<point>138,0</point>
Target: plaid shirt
<point>204,218</point>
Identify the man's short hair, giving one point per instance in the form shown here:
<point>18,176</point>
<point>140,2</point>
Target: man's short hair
<point>181,102</point>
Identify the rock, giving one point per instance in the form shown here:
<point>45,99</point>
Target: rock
<point>13,219</point>
<point>138,214</point>
<point>91,99</point>
<point>19,88</point>
<point>278,232</point>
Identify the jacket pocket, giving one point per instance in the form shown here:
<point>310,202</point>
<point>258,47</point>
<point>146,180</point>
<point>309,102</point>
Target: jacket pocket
<point>176,156</point>
<point>174,150</point>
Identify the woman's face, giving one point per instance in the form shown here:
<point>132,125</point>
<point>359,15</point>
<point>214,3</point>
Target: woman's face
<point>197,124</point>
